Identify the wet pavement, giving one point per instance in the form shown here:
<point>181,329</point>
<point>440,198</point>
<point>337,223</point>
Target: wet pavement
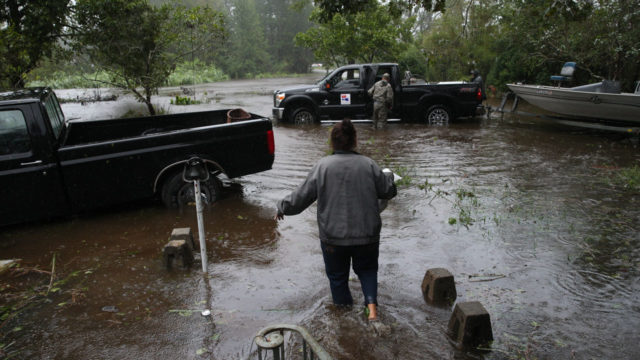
<point>526,214</point>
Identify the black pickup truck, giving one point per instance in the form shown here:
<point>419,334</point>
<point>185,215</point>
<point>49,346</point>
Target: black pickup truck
<point>343,93</point>
<point>50,167</point>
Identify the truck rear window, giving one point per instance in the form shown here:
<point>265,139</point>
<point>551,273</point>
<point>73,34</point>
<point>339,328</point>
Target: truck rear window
<point>14,137</point>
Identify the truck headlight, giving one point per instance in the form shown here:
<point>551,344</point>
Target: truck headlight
<point>277,99</point>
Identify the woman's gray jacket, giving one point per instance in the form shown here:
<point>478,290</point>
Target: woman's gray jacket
<point>347,186</point>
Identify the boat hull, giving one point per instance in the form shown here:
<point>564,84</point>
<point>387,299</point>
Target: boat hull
<point>623,107</point>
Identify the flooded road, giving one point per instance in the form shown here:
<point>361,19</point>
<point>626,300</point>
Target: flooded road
<point>527,215</point>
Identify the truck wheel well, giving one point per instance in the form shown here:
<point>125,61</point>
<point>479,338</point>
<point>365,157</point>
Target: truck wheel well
<point>429,102</point>
<point>177,167</point>
<point>176,193</point>
<point>293,106</point>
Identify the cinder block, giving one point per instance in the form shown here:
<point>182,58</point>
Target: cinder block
<point>439,287</point>
<point>470,324</point>
<point>183,234</point>
<point>177,252</point>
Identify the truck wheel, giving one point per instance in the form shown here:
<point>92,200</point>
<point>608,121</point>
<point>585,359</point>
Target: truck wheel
<point>438,114</point>
<point>177,193</point>
<point>303,116</point>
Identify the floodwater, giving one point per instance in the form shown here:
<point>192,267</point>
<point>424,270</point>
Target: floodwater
<point>527,215</point>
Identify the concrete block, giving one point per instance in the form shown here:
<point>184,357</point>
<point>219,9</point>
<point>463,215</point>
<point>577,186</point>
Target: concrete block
<point>184,234</point>
<point>439,287</point>
<point>470,324</point>
<point>177,252</point>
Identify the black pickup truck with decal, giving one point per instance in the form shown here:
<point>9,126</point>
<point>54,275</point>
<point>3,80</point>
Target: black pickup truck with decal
<point>343,93</point>
<point>51,167</point>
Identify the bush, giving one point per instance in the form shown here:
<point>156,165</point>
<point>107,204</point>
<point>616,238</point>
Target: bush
<point>65,80</point>
<point>184,100</point>
<point>196,72</point>
<point>186,73</point>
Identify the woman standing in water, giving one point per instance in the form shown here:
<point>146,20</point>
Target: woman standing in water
<point>347,186</point>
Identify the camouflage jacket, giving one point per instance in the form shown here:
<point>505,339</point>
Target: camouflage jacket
<point>382,92</point>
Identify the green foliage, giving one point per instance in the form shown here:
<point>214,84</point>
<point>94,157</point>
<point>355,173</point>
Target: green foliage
<point>463,200</point>
<point>29,31</point>
<point>460,40</point>
<point>329,8</point>
<point>414,60</point>
<point>195,72</point>
<point>185,73</point>
<point>512,40</point>
<point>140,45</point>
<point>629,178</point>
<point>184,100</point>
<point>246,50</point>
<point>64,79</point>
<point>282,20</point>
<point>539,37</point>
<point>407,178</point>
<point>374,35</point>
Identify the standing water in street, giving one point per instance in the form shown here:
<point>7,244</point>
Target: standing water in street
<point>536,221</point>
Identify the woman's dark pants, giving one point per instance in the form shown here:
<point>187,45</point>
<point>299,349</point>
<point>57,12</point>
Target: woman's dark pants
<point>337,261</point>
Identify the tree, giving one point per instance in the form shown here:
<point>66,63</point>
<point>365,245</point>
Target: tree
<point>246,52</point>
<point>329,8</point>
<point>29,31</point>
<point>282,20</point>
<point>460,40</point>
<point>372,35</point>
<point>601,36</point>
<point>140,45</point>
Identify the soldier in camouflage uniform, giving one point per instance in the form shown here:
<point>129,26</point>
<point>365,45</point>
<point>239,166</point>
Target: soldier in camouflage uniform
<point>382,94</point>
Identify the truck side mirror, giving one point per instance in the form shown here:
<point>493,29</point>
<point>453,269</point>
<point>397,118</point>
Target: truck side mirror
<point>326,85</point>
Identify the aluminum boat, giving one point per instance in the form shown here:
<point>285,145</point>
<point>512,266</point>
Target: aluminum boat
<point>599,101</point>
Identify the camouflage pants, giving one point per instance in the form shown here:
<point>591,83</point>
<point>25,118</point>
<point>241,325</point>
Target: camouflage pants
<point>379,115</point>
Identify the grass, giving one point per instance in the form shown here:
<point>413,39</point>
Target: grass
<point>184,100</point>
<point>629,178</point>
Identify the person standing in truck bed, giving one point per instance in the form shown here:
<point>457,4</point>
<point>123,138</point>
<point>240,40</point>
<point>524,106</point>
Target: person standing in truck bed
<point>382,95</point>
<point>347,186</point>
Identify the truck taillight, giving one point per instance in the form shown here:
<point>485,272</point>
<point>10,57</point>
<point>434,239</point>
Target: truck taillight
<point>270,142</point>
<point>479,94</point>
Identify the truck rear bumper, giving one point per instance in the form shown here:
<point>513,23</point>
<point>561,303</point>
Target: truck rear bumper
<point>480,110</point>
<point>278,113</point>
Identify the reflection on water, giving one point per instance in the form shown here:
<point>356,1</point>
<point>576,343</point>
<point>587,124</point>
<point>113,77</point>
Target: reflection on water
<point>523,213</point>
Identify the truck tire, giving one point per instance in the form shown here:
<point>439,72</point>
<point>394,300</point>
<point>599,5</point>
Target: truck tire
<point>438,114</point>
<point>176,193</point>
<point>303,116</point>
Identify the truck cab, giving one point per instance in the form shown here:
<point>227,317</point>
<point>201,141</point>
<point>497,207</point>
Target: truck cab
<point>31,125</point>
